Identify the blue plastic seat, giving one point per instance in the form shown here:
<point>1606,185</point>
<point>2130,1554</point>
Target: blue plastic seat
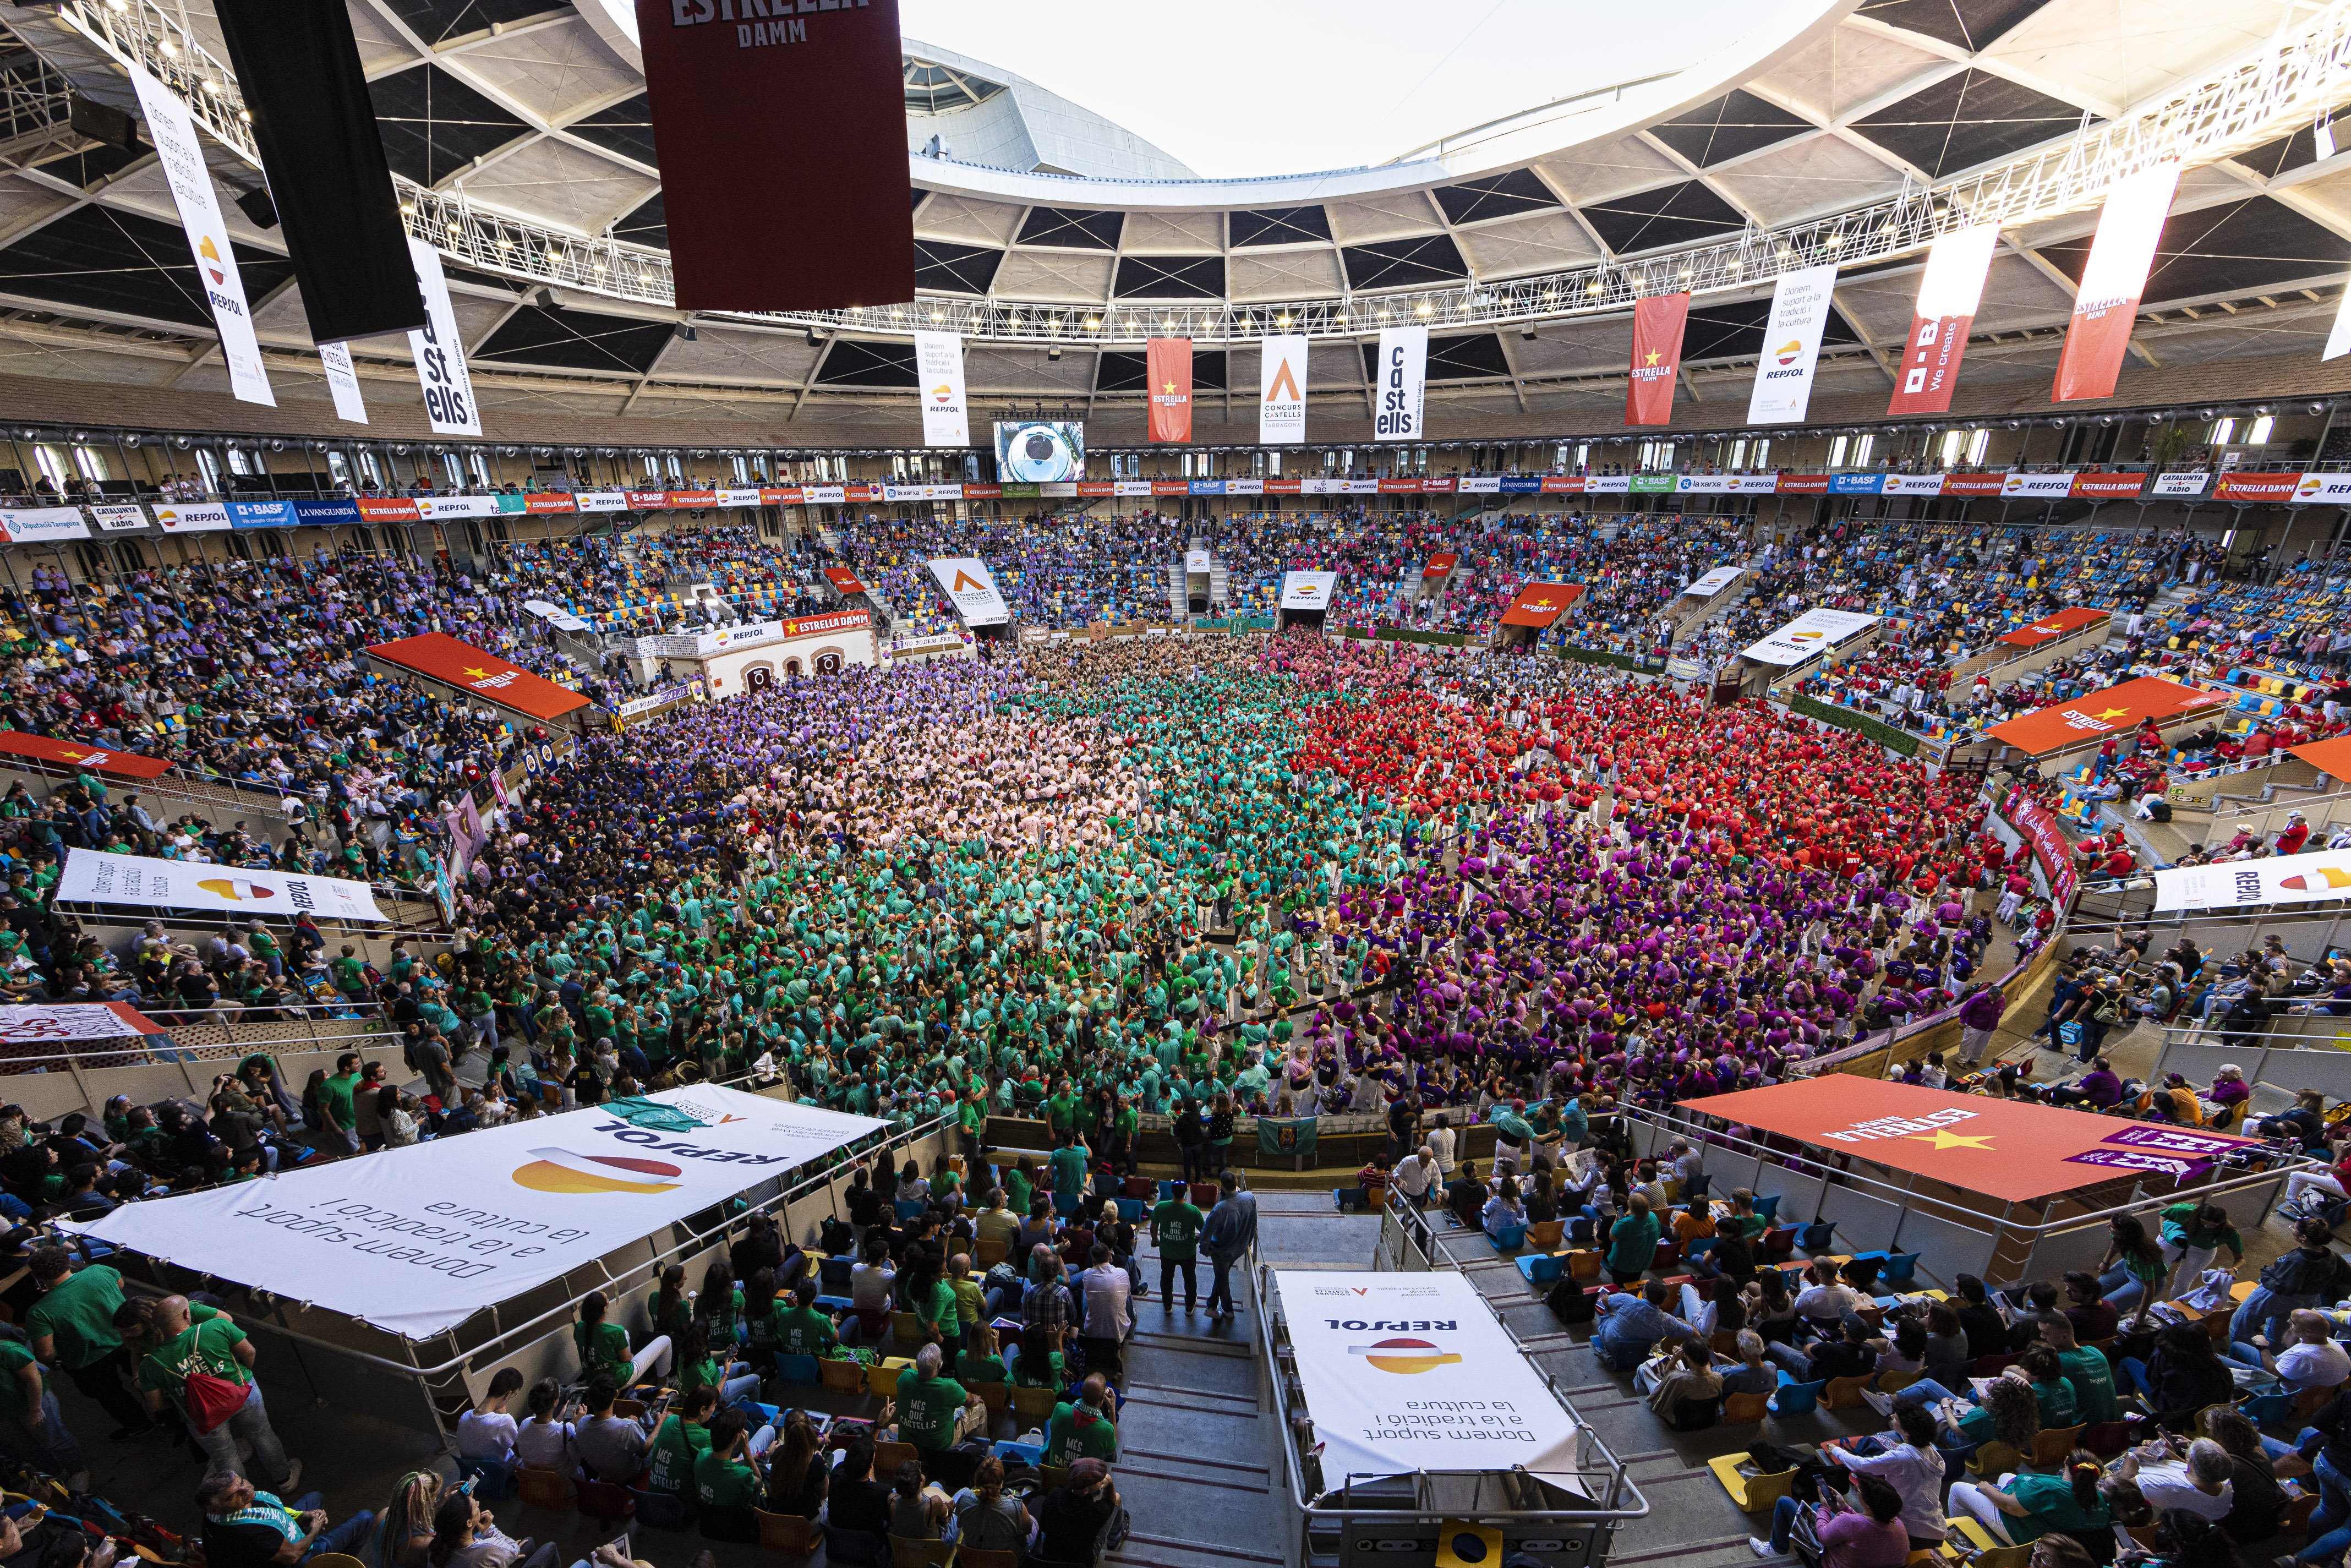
<point>1798,1398</point>
<point>1766,1207</point>
<point>836,1303</point>
<point>832,1275</point>
<point>1509,1239</point>
<point>1130,1209</point>
<point>797,1369</point>
<point>910,1208</point>
<point>2270,1405</point>
<point>1029,1454</point>
<point>492,1479</point>
<point>659,1510</point>
<point>1540,1269</point>
<point>1899,1269</point>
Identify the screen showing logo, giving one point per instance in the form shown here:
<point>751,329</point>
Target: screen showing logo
<point>562,1171</point>
<point>1034,452</point>
<point>1403,1357</point>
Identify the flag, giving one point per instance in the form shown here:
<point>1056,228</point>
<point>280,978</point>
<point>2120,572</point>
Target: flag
<point>1791,345</point>
<point>1168,364</point>
<point>1281,391</point>
<point>1948,291</point>
<point>939,371</point>
<point>181,153</point>
<point>1400,398</point>
<point>812,102</point>
<point>1657,323</point>
<point>2105,305</point>
<point>440,353</point>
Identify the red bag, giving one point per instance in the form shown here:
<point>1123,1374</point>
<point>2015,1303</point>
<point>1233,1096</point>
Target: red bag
<point>213,1400</point>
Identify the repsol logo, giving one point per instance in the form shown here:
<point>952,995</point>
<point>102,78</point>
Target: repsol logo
<point>1781,375</point>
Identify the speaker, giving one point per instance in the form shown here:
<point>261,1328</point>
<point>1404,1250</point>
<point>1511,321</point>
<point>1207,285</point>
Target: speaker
<point>100,123</point>
<point>314,123</point>
<point>257,205</point>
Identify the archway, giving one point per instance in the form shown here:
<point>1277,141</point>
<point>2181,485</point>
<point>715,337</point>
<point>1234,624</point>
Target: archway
<point>792,668</point>
<point>760,677</point>
<point>828,664</point>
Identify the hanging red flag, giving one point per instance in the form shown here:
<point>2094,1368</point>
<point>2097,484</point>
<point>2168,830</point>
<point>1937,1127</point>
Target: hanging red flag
<point>1948,291</point>
<point>833,223</point>
<point>1657,323</point>
<point>1168,364</point>
<point>2114,276</point>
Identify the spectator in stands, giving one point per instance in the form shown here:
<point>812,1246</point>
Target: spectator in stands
<point>1632,1242</point>
<point>1869,1537</point>
<point>248,1529</point>
<point>205,1370</point>
<point>610,1448</point>
<point>1082,1521</point>
<point>1846,1353</point>
<point>2181,1376</point>
<point>543,1439</point>
<point>1913,1467</point>
<point>2306,1275</point>
<point>987,1521</point>
<point>1685,1374</point>
<point>2311,1360</point>
<point>1085,1427</point>
<point>1631,1326</point>
<point>466,1535</point>
<point>935,1412</point>
<point>1754,1374</point>
<point>1229,1233</point>
<point>2024,1506</point>
<point>72,1329</point>
<point>487,1432</point>
<point>1417,1176</point>
<point>856,1500</point>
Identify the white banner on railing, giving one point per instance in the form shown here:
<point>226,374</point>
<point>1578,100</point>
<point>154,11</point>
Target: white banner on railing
<point>1308,590</point>
<point>440,353</point>
<point>181,152</point>
<point>1410,1373</point>
<point>45,1022</point>
<point>1714,582</point>
<point>2241,885</point>
<point>343,382</point>
<point>118,519</point>
<point>36,524</point>
<point>417,1240</point>
<point>1807,635</point>
<point>92,876</point>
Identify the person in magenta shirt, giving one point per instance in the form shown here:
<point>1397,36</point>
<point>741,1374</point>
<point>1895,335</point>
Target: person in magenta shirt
<point>1868,1537</point>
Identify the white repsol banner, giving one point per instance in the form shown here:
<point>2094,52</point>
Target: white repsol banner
<point>1792,346</point>
<point>2240,884</point>
<point>1400,390</point>
<point>417,1240</point>
<point>971,587</point>
<point>92,876</point>
<point>938,370</point>
<point>1714,581</point>
<point>440,353</point>
<point>181,152</point>
<point>343,382</point>
<point>1281,391</point>
<point>1308,590</point>
<point>1807,635</point>
<point>1410,1373</point>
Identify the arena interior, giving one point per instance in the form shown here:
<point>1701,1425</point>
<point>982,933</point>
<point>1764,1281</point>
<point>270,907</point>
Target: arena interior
<point>1490,961</point>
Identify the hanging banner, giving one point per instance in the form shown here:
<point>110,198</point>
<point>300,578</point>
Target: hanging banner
<point>205,518</point>
<point>971,587</point>
<point>416,1240</point>
<point>438,656</point>
<point>343,382</point>
<point>2339,336</point>
<point>2113,277</point>
<point>938,372</point>
<point>1410,1373</point>
<point>1167,366</point>
<point>118,519</point>
<point>180,153</point>
<point>1198,563</point>
<point>1440,567</point>
<point>54,1022</point>
<point>1812,632</point>
<point>1308,590</point>
<point>1948,292</point>
<point>1714,582</point>
<point>837,227</point>
<point>40,523</point>
<point>440,354</point>
<point>41,748</point>
<point>1658,324</point>
<point>2048,628</point>
<point>2044,486</point>
<point>92,876</point>
<point>1791,345</point>
<point>2084,718</point>
<point>2187,484</point>
<point>2237,884</point>
<point>1400,390</point>
<point>1538,604</point>
<point>1281,391</point>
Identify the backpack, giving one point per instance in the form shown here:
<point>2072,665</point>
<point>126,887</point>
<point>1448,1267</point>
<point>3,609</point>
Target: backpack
<point>1570,1302</point>
<point>212,1400</point>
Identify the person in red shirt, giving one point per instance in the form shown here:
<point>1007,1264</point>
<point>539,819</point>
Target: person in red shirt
<point>2296,834</point>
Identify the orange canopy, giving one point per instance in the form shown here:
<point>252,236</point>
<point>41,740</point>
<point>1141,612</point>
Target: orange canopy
<point>2049,628</point>
<point>2331,757</point>
<point>2088,718</point>
<point>1540,603</point>
<point>441,657</point>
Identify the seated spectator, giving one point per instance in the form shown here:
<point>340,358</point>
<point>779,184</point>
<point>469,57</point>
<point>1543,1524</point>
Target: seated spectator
<point>917,1511</point>
<point>2182,1375</point>
<point>799,1468</point>
<point>2086,1371</point>
<point>1754,1375</point>
<point>987,1521</point>
<point>2312,1360</point>
<point>248,1529</point>
<point>935,1412</point>
<point>1687,1374</point>
<point>1846,1353</point>
<point>1085,1427</point>
<point>856,1500</point>
<point>679,1443</point>
<point>1631,1326</point>
<point>1913,1467</point>
<point>544,1439</point>
<point>610,1447</point>
<point>2024,1506</point>
<point>1871,1536</point>
<point>466,1535</point>
<point>1083,1520</point>
<point>2204,1487</point>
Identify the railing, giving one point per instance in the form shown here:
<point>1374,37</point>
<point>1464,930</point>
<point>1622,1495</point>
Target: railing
<point>2293,81</point>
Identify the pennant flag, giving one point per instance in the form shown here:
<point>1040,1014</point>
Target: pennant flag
<point>343,382</point>
<point>835,225</point>
<point>938,370</point>
<point>440,353</point>
<point>1281,391</point>
<point>2112,279</point>
<point>1657,323</point>
<point>1167,362</point>
<point>2339,337</point>
<point>1791,345</point>
<point>1948,292</point>
<point>180,153</point>
<point>1401,394</point>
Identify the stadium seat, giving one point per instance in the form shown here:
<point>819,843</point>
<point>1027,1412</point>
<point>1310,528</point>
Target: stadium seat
<point>882,1377</point>
<point>1750,1492</point>
<point>492,1481</point>
<point>839,1374</point>
<point>607,1503</point>
<point>1508,1239</point>
<point>1797,1398</point>
<point>800,1371</point>
<point>544,1488</point>
<point>1745,1409</point>
<point>1843,1393</point>
<point>1540,1269</point>
<point>660,1511</point>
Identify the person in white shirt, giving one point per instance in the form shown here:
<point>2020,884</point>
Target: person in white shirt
<point>1685,1162</point>
<point>2201,1487</point>
<point>1827,1303</point>
<point>486,1431</point>
<point>1417,1176</point>
<point>2313,1359</point>
<point>543,1441</point>
<point>1439,1147</point>
<point>1107,1290</point>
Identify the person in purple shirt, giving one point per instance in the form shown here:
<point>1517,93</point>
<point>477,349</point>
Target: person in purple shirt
<point>2097,1090</point>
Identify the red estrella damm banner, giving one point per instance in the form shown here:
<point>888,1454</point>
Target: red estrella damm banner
<point>1167,364</point>
<point>1658,324</point>
<point>811,103</point>
<point>2086,718</point>
<point>73,754</point>
<point>2049,628</point>
<point>441,657</point>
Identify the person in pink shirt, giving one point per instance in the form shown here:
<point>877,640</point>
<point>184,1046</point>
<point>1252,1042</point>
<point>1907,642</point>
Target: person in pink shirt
<point>1868,1537</point>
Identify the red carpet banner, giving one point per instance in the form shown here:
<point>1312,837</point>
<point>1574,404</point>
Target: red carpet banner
<point>939,371</point>
<point>1949,293</point>
<point>181,154</point>
<point>1791,345</point>
<point>1401,397</point>
<point>1657,323</point>
<point>129,764</point>
<point>1167,362</point>
<point>2106,304</point>
<point>1281,391</point>
<point>812,103</point>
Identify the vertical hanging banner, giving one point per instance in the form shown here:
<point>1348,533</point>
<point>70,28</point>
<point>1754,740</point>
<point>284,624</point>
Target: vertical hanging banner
<point>1657,323</point>
<point>440,354</point>
<point>1400,390</point>
<point>837,228</point>
<point>1948,292</point>
<point>1167,365</point>
<point>1281,391</point>
<point>2339,337</point>
<point>343,382</point>
<point>2106,304</point>
<point>1791,345</point>
<point>181,154</point>
<point>938,372</point>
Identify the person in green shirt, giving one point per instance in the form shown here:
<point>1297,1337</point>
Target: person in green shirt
<point>976,1363</point>
<point>934,1410</point>
<point>679,1445</point>
<point>2192,1234</point>
<point>726,1486</point>
<point>2087,1370</point>
<point>801,1329</point>
<point>71,1328</point>
<point>604,1345</point>
<point>336,1103</point>
<point>1068,1166</point>
<point>1176,1231</point>
<point>1632,1242</point>
<point>210,1361</point>
<point>2031,1506</point>
<point>31,1428</point>
<point>350,973</point>
<point>1084,1429</point>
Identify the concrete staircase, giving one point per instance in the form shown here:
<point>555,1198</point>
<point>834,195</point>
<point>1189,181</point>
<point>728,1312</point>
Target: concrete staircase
<point>1179,597</point>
